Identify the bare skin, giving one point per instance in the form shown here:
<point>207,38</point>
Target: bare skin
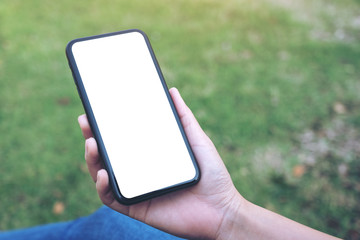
<point>212,209</point>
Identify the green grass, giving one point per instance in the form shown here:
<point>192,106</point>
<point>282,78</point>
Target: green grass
<point>258,75</point>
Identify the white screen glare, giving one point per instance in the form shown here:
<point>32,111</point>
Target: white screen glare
<point>140,133</point>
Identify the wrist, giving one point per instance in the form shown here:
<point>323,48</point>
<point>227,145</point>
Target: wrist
<point>249,221</point>
<point>232,224</point>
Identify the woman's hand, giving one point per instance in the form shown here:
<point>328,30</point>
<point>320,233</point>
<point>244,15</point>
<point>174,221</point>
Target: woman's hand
<point>195,212</point>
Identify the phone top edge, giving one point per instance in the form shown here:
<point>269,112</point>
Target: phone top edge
<point>70,43</point>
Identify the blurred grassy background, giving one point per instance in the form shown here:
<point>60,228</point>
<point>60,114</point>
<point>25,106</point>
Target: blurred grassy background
<point>274,83</point>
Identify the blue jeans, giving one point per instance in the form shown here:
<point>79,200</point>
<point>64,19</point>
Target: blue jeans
<point>103,224</point>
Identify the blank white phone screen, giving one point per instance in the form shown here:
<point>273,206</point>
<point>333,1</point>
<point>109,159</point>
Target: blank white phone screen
<point>140,133</point>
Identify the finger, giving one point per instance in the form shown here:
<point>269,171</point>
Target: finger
<point>181,107</point>
<point>85,127</point>
<point>105,193</point>
<point>203,148</point>
<point>194,132</point>
<point>92,158</point>
<point>103,187</point>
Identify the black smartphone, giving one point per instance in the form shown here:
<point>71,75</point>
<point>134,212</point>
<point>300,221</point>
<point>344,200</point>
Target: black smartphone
<point>138,131</point>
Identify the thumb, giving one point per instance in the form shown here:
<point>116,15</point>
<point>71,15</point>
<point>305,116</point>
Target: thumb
<point>196,136</point>
<point>193,131</point>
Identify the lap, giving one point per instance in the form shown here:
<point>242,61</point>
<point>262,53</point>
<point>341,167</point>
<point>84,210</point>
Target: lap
<point>105,224</point>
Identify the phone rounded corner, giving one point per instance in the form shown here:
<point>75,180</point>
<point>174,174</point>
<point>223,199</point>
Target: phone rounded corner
<point>121,199</point>
<point>124,200</point>
<point>197,176</point>
<point>115,187</point>
<point>141,32</point>
<point>69,47</point>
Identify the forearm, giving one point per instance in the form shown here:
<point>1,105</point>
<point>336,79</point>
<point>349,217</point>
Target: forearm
<point>249,221</point>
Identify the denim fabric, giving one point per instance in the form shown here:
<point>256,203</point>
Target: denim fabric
<point>104,224</point>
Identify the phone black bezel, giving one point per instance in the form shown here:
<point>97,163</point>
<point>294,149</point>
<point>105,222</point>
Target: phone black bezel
<point>96,132</point>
